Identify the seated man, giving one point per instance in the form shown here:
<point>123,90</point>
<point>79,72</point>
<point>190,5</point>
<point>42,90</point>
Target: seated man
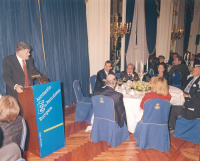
<point>101,75</point>
<point>190,110</point>
<point>191,86</point>
<point>181,68</point>
<point>129,73</point>
<point>109,91</point>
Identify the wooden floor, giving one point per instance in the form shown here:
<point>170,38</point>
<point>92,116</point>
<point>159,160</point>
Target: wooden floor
<point>80,148</point>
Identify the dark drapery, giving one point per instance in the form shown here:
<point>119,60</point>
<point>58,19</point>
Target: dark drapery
<point>151,24</point>
<point>130,4</point>
<point>65,39</point>
<point>189,17</point>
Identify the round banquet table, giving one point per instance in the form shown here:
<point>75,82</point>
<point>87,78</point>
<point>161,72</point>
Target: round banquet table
<point>132,105</point>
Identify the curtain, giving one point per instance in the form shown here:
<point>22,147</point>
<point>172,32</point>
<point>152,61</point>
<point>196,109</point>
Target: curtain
<point>195,29</point>
<point>19,21</point>
<point>151,24</point>
<point>98,24</point>
<point>130,4</point>
<point>137,48</point>
<point>181,25</point>
<point>65,39</point>
<point>66,44</point>
<point>164,24</point>
<point>189,17</point>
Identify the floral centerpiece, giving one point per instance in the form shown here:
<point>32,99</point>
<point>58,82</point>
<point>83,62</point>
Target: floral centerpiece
<point>140,86</point>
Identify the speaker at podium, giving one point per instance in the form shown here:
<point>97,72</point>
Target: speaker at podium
<point>43,112</point>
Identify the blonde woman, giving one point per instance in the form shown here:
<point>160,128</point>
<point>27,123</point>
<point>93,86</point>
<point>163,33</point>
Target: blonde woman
<point>10,121</point>
<point>159,89</point>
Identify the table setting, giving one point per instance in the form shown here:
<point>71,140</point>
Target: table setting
<point>133,93</point>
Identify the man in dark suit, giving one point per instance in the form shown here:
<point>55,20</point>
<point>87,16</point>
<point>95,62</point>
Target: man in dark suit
<point>129,73</point>
<point>191,86</point>
<point>190,110</point>
<point>17,70</point>
<point>109,91</point>
<point>101,75</point>
<point>181,68</point>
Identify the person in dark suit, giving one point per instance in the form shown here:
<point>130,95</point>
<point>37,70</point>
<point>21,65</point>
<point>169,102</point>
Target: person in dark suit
<point>17,70</point>
<point>191,86</point>
<point>181,68</point>
<point>190,110</point>
<point>129,73</point>
<point>101,75</point>
<point>109,91</point>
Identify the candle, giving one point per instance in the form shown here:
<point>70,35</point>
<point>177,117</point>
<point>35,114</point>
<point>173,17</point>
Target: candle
<point>185,57</point>
<point>136,66</point>
<point>141,67</point>
<point>147,65</point>
<point>117,24</point>
<point>188,57</point>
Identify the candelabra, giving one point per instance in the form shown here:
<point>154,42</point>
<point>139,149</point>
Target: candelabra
<point>119,29</point>
<point>177,34</point>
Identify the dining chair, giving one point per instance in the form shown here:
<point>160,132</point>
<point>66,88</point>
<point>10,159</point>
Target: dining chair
<point>118,75</point>
<point>152,130</point>
<point>84,109</point>
<point>93,81</point>
<point>105,127</point>
<point>24,134</point>
<point>176,79</point>
<point>188,129</point>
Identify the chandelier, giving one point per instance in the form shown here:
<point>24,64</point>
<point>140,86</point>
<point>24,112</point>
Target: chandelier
<point>177,34</point>
<point>119,29</point>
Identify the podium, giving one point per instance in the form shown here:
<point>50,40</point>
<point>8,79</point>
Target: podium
<point>42,109</point>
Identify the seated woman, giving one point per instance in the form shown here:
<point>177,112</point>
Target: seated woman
<point>10,121</point>
<point>190,110</point>
<point>159,89</point>
<point>162,71</point>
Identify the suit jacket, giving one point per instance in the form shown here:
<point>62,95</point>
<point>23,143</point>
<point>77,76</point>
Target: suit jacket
<point>124,74</point>
<point>183,69</point>
<point>100,76</point>
<point>13,73</point>
<point>194,87</point>
<point>120,113</point>
<point>194,103</point>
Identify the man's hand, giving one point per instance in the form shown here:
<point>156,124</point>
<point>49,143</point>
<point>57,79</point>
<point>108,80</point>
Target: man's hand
<point>18,88</point>
<point>186,95</point>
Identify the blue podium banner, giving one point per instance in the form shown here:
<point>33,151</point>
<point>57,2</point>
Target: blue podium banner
<point>49,117</point>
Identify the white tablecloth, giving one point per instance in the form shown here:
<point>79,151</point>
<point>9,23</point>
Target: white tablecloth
<point>134,112</point>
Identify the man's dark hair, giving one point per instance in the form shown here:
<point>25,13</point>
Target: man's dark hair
<point>108,61</point>
<point>21,46</point>
<point>175,54</point>
<point>161,57</point>
<point>180,58</point>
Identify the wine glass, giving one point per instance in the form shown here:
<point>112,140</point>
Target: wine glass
<point>124,80</point>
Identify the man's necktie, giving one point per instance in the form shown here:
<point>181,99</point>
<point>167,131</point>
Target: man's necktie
<point>25,74</point>
<point>187,89</point>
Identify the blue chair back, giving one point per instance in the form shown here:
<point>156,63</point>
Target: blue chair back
<point>103,107</point>
<point>156,111</point>
<point>24,133</point>
<point>152,131</point>
<point>176,79</point>
<point>77,91</point>
<point>93,81</point>
<point>151,72</point>
<point>104,127</point>
<point>118,75</point>
<point>188,129</point>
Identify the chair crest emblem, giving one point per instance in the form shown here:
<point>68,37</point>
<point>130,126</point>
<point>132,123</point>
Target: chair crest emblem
<point>78,87</point>
<point>173,74</point>
<point>157,106</point>
<point>101,100</point>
